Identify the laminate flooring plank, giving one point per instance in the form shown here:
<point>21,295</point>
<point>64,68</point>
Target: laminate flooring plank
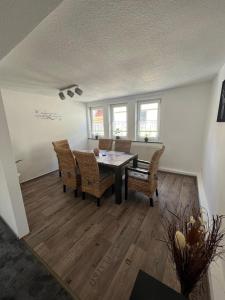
<point>98,251</point>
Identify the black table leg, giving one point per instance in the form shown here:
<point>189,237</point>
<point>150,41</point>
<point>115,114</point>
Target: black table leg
<point>135,162</point>
<point>118,185</point>
<point>126,183</point>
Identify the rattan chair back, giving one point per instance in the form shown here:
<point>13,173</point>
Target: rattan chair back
<point>154,164</point>
<point>68,166</point>
<point>123,145</point>
<point>88,166</point>
<point>105,144</point>
<point>61,144</point>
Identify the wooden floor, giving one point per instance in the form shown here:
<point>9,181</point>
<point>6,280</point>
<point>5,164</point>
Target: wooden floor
<point>97,252</point>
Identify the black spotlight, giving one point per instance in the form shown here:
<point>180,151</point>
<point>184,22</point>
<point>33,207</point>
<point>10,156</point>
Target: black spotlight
<point>78,91</point>
<point>70,93</point>
<point>62,96</point>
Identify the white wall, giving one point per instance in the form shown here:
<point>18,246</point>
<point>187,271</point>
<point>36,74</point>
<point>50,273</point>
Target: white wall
<point>32,137</point>
<point>213,174</point>
<point>11,202</point>
<point>183,114</point>
<point>214,154</point>
<point>6,209</point>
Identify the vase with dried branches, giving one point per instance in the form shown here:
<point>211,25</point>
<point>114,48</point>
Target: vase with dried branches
<point>194,241</point>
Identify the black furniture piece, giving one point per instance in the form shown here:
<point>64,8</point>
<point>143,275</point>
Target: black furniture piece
<point>148,288</point>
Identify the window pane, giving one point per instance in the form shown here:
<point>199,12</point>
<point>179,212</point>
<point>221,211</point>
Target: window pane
<point>148,106</point>
<point>119,109</point>
<point>119,121</point>
<point>151,115</point>
<point>97,121</point>
<point>152,134</point>
<point>148,120</point>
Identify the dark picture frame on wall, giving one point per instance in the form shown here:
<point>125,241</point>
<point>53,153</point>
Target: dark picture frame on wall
<point>221,111</point>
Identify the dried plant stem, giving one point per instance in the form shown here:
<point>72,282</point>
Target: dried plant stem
<point>193,244</point>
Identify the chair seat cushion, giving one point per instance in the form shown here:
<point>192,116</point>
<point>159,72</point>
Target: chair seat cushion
<point>139,176</point>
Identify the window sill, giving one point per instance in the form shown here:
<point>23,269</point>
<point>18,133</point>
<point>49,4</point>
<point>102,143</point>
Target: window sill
<point>143,142</point>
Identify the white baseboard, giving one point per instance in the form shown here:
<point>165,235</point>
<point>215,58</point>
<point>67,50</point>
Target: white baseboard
<point>34,177</point>
<point>216,273</point>
<point>176,171</point>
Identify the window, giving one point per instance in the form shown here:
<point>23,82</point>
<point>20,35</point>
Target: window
<point>97,121</point>
<point>148,120</point>
<point>119,120</point>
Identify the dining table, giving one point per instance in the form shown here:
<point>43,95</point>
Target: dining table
<point>116,161</point>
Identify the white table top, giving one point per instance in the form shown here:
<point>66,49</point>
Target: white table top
<point>112,158</point>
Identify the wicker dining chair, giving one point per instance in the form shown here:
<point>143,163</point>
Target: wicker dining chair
<point>144,180</point>
<point>123,145</point>
<point>62,144</point>
<point>105,144</point>
<point>94,181</point>
<point>69,169</point>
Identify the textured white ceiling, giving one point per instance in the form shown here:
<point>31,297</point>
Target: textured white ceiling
<point>119,47</point>
<point>18,18</point>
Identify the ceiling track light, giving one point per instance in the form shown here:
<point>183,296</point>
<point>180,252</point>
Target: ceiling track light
<point>62,96</point>
<point>78,91</point>
<point>69,92</point>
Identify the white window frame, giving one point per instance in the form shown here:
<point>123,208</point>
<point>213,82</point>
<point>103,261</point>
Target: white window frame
<point>91,119</point>
<point>158,119</point>
<point>111,118</point>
